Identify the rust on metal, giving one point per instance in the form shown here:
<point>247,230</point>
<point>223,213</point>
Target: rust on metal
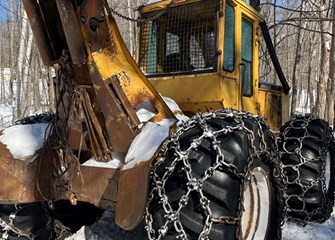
<point>117,89</point>
<point>19,185</point>
<point>109,198</point>
<point>95,115</point>
<point>61,167</point>
<point>99,183</point>
<point>18,178</point>
<point>98,142</point>
<point>93,20</point>
<point>116,60</point>
<point>76,136</point>
<point>38,27</point>
<point>132,195</point>
<point>121,131</point>
<point>72,31</point>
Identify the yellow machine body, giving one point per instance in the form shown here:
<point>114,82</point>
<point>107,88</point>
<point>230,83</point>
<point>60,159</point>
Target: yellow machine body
<point>233,27</point>
<point>202,54</point>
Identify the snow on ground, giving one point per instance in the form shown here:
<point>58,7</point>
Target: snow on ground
<point>6,116</point>
<point>105,229</point>
<point>313,231</point>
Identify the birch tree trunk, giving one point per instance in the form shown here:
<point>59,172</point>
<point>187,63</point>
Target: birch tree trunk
<point>331,80</point>
<point>2,69</point>
<point>19,66</point>
<point>51,91</point>
<point>13,30</point>
<point>130,28</point>
<point>26,71</point>
<point>321,100</point>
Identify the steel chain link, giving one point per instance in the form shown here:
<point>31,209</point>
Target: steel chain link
<point>194,184</point>
<point>39,118</point>
<point>302,124</point>
<point>10,228</point>
<point>172,216</point>
<point>147,19</point>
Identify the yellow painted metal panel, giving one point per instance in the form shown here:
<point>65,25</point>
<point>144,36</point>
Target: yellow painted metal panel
<point>270,107</point>
<point>203,92</point>
<point>209,91</point>
<point>116,60</point>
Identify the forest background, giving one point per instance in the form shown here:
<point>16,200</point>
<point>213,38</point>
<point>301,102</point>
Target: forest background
<point>303,32</point>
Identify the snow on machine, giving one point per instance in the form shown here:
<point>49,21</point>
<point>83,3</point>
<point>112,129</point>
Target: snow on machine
<point>114,143</point>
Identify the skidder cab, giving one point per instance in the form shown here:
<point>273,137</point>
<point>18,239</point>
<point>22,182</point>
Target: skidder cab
<point>217,175</point>
<point>208,50</point>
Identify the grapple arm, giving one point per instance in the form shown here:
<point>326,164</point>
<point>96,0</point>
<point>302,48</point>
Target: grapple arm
<point>98,86</point>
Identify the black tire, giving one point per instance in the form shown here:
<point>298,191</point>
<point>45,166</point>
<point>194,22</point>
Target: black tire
<point>75,217</point>
<point>38,220</point>
<point>192,153</point>
<point>31,221</point>
<point>307,155</point>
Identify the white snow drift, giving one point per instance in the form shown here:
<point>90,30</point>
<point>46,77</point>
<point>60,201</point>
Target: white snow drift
<point>23,141</point>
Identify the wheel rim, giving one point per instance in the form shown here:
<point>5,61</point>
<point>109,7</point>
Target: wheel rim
<point>257,204</point>
<point>328,170</point>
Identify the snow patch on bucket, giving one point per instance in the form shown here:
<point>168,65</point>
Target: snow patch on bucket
<point>23,141</point>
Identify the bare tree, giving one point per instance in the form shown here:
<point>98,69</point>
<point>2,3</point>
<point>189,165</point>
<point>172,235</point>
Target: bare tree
<point>331,80</point>
<point>296,76</point>
<point>20,64</point>
<point>20,58</point>
<point>304,44</point>
<point>321,100</point>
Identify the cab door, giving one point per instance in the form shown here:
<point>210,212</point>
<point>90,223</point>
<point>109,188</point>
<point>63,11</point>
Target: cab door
<point>240,58</point>
<point>248,58</point>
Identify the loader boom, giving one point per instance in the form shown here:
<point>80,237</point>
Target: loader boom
<point>98,86</point>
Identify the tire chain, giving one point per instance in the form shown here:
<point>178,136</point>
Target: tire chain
<point>173,216</point>
<point>194,184</point>
<point>295,167</point>
<point>46,117</point>
<point>50,118</point>
<point>10,227</point>
<point>143,20</point>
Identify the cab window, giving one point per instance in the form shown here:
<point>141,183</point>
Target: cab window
<point>229,39</point>
<point>181,41</point>
<point>247,52</point>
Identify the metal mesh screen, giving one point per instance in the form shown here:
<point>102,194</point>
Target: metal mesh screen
<point>181,41</point>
